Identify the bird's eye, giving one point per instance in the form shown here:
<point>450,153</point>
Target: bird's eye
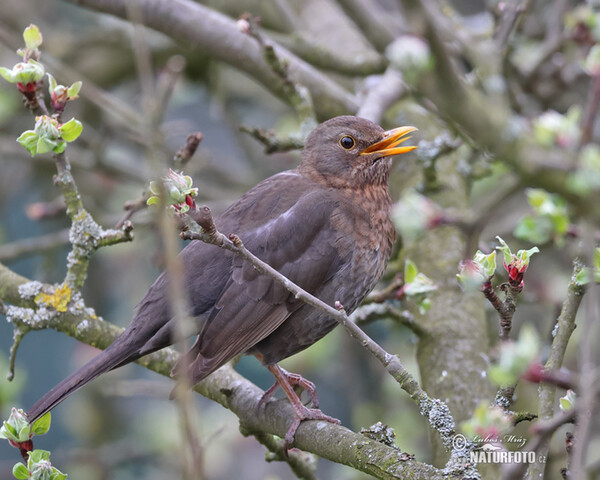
<point>347,142</point>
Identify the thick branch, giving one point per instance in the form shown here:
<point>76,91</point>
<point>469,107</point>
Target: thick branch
<point>208,30</point>
<point>437,413</point>
<point>234,392</point>
<point>390,89</point>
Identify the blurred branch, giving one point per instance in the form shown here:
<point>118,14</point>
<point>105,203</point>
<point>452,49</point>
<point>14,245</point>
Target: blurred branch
<point>44,210</point>
<point>276,15</point>
<point>368,15</point>
<point>377,311</point>
<point>565,325</point>
<point>185,153</point>
<point>322,57</point>
<point>389,89</point>
<point>237,394</point>
<point>588,387</point>
<point>591,111</point>
<point>296,94</point>
<point>26,246</point>
<point>206,29</point>
<point>274,142</point>
<point>489,124</point>
<point>303,464</point>
<point>543,429</point>
<point>511,12</point>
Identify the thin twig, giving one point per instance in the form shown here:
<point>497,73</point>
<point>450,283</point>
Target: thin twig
<point>506,309</point>
<point>273,141</point>
<point>185,153</point>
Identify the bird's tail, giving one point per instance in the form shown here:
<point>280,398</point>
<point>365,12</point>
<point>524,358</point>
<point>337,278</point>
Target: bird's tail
<point>116,354</point>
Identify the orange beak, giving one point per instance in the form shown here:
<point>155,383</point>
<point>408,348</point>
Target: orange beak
<point>389,144</point>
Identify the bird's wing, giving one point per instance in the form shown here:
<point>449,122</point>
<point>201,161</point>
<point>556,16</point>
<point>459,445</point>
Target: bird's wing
<point>299,241</point>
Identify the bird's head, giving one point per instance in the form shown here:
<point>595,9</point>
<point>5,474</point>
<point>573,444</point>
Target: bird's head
<point>352,152</point>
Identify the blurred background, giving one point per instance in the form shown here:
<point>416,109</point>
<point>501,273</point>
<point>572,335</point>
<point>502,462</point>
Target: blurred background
<point>108,430</point>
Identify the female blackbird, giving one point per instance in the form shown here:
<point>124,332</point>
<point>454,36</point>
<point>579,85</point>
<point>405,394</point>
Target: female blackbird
<point>324,225</point>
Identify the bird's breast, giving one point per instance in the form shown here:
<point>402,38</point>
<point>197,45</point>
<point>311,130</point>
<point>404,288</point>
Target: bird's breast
<point>365,236</point>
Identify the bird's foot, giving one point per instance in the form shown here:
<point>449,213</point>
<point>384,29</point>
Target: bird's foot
<point>287,381</point>
<point>294,380</point>
<point>304,413</point>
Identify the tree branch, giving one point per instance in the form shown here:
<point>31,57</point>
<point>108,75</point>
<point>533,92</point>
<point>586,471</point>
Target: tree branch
<point>435,411</point>
<point>565,325</point>
<point>387,91</point>
<point>208,30</point>
<point>231,390</point>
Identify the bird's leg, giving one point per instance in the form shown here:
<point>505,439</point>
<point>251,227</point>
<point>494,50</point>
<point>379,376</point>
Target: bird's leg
<point>294,380</point>
<point>302,412</point>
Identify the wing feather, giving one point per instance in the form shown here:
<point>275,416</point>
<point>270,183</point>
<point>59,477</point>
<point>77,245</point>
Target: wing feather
<point>297,239</point>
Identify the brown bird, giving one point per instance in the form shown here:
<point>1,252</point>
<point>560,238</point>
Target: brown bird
<point>325,225</point>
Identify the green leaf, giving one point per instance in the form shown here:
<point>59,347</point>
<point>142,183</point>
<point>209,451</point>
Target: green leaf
<point>536,197</point>
<point>60,147</point>
<point>45,145</point>
<point>583,277</point>
<point>73,90</point>
<point>524,255</point>
<point>51,82</point>
<point>41,425</point>
<point>534,229</point>
<point>32,36</point>
<point>71,130</point>
<point>153,201</point>
<point>29,140</point>
<point>568,401</point>
<point>37,456</point>
<point>410,272</point>
<point>175,194</point>
<point>7,74</point>
<point>8,431</point>
<point>24,433</point>
<point>486,262</point>
<point>515,357</point>
<point>154,188</point>
<point>420,285</point>
<point>58,475</point>
<point>505,251</point>
<point>501,376</point>
<point>424,305</point>
<point>20,472</point>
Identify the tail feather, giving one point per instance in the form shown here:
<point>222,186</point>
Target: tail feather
<point>116,354</point>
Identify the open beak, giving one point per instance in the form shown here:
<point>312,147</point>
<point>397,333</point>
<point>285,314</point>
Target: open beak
<point>389,144</point>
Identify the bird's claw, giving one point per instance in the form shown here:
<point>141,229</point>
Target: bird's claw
<point>304,413</point>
